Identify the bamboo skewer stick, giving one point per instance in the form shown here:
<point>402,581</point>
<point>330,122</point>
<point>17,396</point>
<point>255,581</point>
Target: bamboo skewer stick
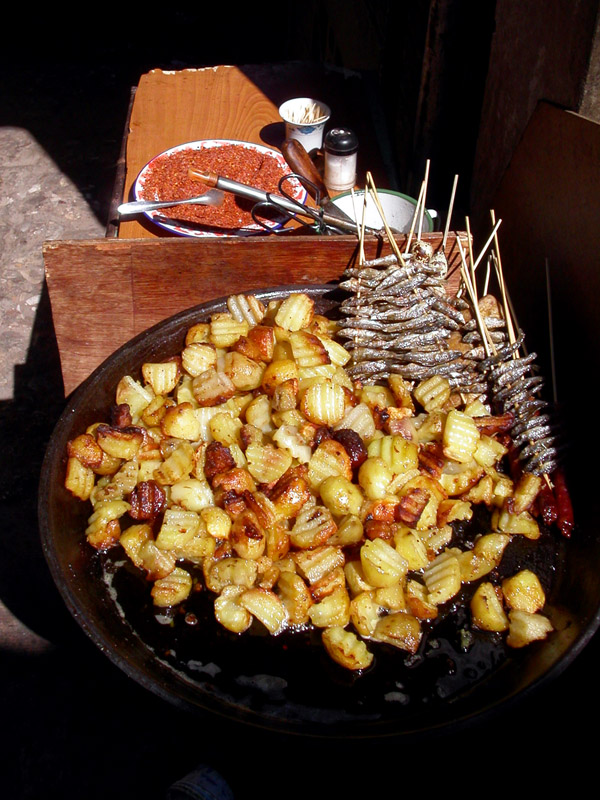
<point>450,209</point>
<point>485,337</point>
<point>500,273</point>
<point>425,182</point>
<point>389,233</point>
<point>415,217</point>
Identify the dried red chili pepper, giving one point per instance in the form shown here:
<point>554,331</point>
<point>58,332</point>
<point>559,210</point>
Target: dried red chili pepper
<point>565,520</point>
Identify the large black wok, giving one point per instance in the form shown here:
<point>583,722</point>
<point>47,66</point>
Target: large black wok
<point>287,682</point>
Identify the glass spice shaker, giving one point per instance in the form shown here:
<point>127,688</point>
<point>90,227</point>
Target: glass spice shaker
<point>340,146</point>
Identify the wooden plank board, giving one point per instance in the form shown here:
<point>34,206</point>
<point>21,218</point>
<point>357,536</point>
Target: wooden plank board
<point>549,203</point>
<point>104,292</point>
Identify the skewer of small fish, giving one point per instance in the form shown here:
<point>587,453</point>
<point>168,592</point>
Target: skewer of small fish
<point>515,388</point>
<point>399,319</point>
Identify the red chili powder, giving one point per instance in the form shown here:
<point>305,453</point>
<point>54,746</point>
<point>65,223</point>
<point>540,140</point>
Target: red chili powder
<point>167,179</point>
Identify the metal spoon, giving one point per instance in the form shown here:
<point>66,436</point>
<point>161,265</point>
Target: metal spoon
<point>214,197</point>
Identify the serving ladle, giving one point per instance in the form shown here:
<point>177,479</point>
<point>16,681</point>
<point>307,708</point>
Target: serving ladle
<point>214,197</point>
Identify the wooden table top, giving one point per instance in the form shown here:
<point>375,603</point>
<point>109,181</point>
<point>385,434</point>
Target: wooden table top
<point>241,103</point>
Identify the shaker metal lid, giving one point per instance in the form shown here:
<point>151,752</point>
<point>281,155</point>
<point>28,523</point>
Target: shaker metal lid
<point>341,141</point>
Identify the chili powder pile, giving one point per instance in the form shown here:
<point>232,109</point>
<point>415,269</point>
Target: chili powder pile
<point>167,179</point>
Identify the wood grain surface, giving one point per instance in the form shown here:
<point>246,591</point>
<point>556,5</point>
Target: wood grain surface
<point>103,292</point>
<point>236,102</point>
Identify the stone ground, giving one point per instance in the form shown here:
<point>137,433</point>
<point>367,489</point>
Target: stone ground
<point>73,725</point>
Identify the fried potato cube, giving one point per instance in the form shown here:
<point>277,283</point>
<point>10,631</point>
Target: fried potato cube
<point>481,493</point>
<point>312,527</point>
<point>266,607</point>
<point>79,479</point>
<point>173,589</point>
<point>341,496</point>
<point>196,549</point>
<point>391,598</point>
<point>524,592</point>
<point>178,527</point>
<point>382,564</point>
<point>285,397</point>
<point>524,524</point>
<point>460,437</point>
<point>119,443</point>
<point>211,388</point>
<point>86,450</point>
<point>217,522</point>
<point>401,630</point>
<point>258,344</point>
<point>411,547</point>
<point>180,422</point>
<point>400,455</point>
<point>346,649</point>
<point>350,531</point>
<point>334,609</point>
<point>417,601</point>
<point>527,489</point>
<point>104,514</point>
<point>228,611</point>
<point>162,377</point>
<point>246,307</point>
<point>419,502</point>
<point>473,566</point>
<point>225,428</point>
<point>525,628</point>
<point>401,391</point>
<point>136,396</point>
<point>295,596</point>
<point>324,403</point>
<point>338,354</point>
<point>315,564</point>
<point>200,332</point>
<point>225,330</point>
<point>452,510</point>
<point>487,610</point>
<point>359,418</point>
<point>295,312</point>
<point>442,578</point>
<point>330,458</point>
<point>489,451</point>
<point>435,539</point>
<point>267,463</point>
<point>365,613</point>
<point>374,477</point>
<point>258,414</point>
<point>177,466</point>
<point>247,538</point>
<point>278,543</point>
<point>198,357</point>
<point>355,578</point>
<point>231,570</point>
<point>289,438</point>
<point>245,373</point>
<point>308,350</point>
<point>491,546</point>
<point>119,486</point>
<point>457,482</point>
<point>432,393</point>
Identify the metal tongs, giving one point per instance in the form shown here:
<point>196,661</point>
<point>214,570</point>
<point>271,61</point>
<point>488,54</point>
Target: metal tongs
<point>325,217</point>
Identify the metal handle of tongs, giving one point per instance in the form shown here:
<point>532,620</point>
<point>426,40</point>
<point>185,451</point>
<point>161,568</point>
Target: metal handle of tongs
<point>281,202</point>
<point>315,215</point>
